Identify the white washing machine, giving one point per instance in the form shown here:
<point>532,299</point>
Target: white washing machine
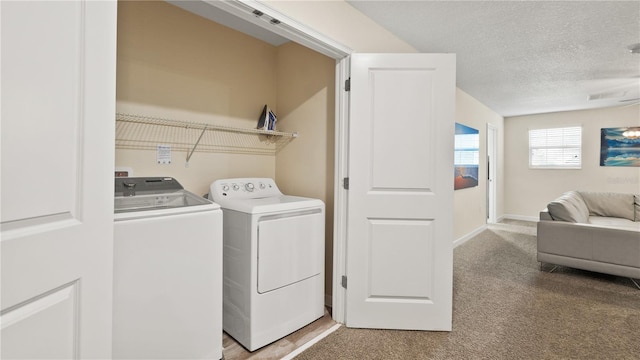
<point>273,256</point>
<point>167,272</point>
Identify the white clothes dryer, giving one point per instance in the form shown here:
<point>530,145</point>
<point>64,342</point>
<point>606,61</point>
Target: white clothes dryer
<point>273,260</point>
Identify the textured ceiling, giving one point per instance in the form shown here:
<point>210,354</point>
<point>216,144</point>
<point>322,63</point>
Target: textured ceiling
<point>526,57</point>
<point>516,57</point>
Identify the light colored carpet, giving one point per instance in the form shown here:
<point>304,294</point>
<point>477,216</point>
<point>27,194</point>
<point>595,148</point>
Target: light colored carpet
<point>504,307</point>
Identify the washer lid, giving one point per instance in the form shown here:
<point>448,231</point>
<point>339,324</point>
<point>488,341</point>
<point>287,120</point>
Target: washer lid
<point>270,204</point>
<point>172,200</point>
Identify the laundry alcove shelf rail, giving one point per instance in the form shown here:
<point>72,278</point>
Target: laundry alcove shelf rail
<point>146,133</point>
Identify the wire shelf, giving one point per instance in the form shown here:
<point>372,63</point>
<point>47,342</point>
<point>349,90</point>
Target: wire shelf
<point>146,133</point>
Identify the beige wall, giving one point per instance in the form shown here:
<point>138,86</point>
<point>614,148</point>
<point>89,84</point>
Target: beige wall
<point>306,104</point>
<point>528,191</point>
<point>173,64</point>
<point>470,210</point>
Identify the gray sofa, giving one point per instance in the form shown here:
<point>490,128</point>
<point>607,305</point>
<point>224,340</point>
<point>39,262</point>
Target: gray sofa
<point>593,231</point>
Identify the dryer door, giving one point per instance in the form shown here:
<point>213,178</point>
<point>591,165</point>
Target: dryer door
<point>290,248</point>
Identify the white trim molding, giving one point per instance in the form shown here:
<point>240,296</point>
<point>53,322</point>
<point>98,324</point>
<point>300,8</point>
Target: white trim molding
<point>519,217</point>
<point>468,236</point>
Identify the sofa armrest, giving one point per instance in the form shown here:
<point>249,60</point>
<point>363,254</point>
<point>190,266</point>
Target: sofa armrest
<point>544,215</point>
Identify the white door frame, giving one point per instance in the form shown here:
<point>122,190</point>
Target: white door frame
<point>341,167</point>
<point>492,158</point>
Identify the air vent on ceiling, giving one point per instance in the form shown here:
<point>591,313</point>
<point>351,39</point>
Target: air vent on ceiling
<point>607,95</point>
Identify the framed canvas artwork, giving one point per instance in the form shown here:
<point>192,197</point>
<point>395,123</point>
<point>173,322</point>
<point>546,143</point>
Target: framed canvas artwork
<point>467,156</point>
<point>620,146</point>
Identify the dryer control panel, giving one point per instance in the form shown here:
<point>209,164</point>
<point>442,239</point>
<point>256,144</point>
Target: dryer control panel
<point>243,188</point>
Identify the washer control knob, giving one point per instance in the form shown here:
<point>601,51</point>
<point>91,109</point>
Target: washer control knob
<point>262,186</point>
<point>235,187</point>
<point>249,186</point>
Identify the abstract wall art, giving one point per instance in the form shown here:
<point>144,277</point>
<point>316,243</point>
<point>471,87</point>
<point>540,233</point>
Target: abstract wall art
<point>620,146</point>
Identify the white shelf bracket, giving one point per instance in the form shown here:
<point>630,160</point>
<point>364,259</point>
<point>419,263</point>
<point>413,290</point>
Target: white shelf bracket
<point>195,145</point>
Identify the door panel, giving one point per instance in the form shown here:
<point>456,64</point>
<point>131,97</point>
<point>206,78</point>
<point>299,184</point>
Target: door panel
<point>400,198</point>
<point>390,143</point>
<point>35,73</point>
<point>400,253</point>
<point>50,324</point>
<point>58,102</point>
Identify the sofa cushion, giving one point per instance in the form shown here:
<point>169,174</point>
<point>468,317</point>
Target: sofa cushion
<point>637,206</point>
<point>569,207</point>
<point>615,222</point>
<point>609,204</point>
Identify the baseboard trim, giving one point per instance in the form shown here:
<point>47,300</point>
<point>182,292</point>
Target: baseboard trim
<point>520,217</point>
<point>310,343</point>
<point>468,236</point>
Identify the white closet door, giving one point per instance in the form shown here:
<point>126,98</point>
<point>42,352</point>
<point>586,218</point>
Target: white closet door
<point>58,104</point>
<point>400,197</point>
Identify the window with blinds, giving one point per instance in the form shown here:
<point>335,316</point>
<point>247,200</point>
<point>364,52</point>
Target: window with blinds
<point>556,148</point>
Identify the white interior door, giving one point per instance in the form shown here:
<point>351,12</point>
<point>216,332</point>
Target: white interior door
<point>58,104</point>
<point>492,157</point>
<point>400,197</point>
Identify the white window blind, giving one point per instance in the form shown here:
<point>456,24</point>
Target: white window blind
<point>556,148</point>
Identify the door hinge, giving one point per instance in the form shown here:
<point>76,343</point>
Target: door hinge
<point>345,183</point>
<point>347,85</point>
<point>343,282</point>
